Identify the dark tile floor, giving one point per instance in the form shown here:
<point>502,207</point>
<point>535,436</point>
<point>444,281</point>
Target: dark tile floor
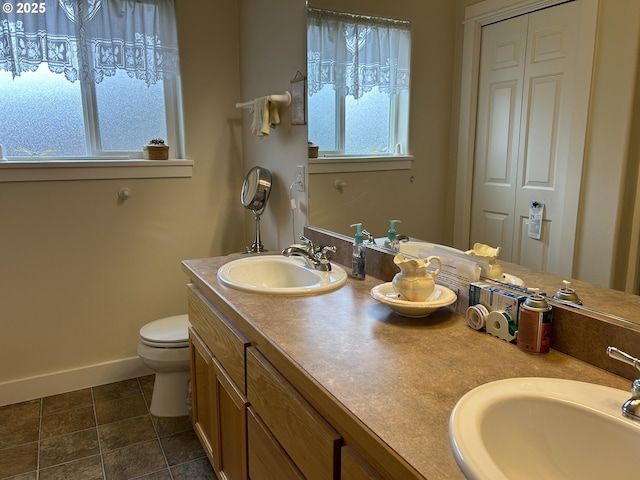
<point>103,432</point>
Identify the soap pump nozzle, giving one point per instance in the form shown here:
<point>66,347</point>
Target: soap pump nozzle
<point>392,237</point>
<point>391,234</point>
<point>358,237</point>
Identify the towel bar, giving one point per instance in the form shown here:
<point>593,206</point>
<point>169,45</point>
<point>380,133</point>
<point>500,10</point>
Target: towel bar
<point>284,98</point>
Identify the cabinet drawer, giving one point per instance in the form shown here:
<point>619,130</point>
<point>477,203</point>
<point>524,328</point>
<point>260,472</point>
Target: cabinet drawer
<point>307,438</point>
<point>267,459</point>
<point>225,342</point>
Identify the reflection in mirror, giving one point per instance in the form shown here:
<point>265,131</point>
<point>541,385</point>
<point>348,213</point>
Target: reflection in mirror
<point>426,195</point>
<point>582,296</point>
<point>358,83</point>
<point>358,97</point>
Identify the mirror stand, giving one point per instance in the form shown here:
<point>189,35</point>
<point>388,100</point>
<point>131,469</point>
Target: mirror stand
<point>255,193</point>
<point>257,245</point>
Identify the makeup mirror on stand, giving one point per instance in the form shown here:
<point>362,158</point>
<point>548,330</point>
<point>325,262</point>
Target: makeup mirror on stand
<point>255,193</point>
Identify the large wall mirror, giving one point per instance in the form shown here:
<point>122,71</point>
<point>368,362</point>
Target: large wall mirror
<point>431,191</point>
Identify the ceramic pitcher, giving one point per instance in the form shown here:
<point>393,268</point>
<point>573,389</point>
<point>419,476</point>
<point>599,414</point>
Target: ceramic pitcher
<point>413,281</point>
<point>492,269</point>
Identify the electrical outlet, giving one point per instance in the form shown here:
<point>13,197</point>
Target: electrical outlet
<point>300,178</point>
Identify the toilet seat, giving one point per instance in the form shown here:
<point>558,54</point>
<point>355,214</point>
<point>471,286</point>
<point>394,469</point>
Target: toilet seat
<point>170,332</point>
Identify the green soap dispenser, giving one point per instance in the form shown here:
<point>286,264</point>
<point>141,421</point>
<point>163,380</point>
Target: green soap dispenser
<point>392,240</point>
<point>358,254</point>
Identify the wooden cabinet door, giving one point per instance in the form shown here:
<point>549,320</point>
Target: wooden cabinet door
<point>219,413</point>
<point>204,398</point>
<point>232,422</point>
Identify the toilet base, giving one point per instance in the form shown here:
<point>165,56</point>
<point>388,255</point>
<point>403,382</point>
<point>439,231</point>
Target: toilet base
<point>170,392</point>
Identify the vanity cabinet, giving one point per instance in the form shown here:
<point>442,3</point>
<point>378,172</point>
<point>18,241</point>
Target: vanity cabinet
<point>253,423</point>
<point>218,388</point>
<point>329,386</point>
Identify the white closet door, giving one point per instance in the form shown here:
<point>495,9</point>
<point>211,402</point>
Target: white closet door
<point>502,63</point>
<point>524,138</point>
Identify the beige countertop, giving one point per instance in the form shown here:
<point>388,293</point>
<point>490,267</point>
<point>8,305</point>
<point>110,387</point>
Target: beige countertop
<point>397,377</point>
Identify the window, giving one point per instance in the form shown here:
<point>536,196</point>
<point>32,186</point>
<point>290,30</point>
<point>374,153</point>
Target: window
<point>358,84</point>
<point>88,78</point>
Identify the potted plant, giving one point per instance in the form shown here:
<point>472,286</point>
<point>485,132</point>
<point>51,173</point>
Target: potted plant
<point>156,150</point>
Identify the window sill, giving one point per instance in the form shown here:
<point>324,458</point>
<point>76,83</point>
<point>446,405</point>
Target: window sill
<point>359,164</point>
<point>84,169</point>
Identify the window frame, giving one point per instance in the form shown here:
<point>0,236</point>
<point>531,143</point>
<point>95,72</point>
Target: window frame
<point>173,116</point>
<point>97,163</point>
<point>339,162</point>
<point>107,165</point>
<point>336,161</point>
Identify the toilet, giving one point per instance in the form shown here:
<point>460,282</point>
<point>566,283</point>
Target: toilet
<point>164,348</point>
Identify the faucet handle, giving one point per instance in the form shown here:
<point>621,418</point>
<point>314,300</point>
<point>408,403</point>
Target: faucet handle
<point>370,238</point>
<point>623,357</point>
<point>326,250</point>
<point>307,243</point>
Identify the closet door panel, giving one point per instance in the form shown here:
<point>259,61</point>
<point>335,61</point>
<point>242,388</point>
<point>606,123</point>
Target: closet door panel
<point>544,174</point>
<point>503,56</point>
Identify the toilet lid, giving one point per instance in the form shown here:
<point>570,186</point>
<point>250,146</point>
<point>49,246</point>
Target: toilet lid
<point>170,332</point>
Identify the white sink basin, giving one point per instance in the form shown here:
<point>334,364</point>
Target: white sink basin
<point>276,274</point>
<point>543,428</point>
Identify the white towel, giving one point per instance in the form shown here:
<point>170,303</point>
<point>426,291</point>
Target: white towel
<point>265,115</point>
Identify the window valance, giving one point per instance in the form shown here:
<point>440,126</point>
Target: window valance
<point>91,39</point>
<point>356,53</point>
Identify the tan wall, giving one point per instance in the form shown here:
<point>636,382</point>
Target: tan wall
<point>80,273</point>
<point>605,210</point>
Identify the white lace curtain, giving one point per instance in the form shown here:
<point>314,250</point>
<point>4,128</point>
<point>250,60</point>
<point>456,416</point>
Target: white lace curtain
<point>91,39</point>
<point>356,53</point>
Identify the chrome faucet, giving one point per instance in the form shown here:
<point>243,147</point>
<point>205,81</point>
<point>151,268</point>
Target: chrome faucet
<point>630,408</point>
<point>317,258</point>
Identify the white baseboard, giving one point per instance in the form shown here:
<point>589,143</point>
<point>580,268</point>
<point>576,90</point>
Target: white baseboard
<point>24,389</point>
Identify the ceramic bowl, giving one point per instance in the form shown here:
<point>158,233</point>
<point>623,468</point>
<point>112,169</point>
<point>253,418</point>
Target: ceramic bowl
<point>441,297</point>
